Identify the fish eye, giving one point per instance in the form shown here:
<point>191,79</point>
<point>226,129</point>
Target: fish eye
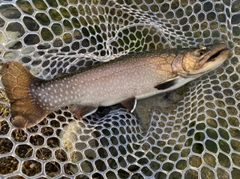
<point>199,52</point>
<point>202,47</point>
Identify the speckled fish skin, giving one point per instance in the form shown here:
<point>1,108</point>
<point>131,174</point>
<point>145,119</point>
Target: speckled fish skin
<point>107,84</point>
<point>132,76</point>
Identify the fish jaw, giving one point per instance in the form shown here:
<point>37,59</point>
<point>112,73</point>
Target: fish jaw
<point>216,62</point>
<point>199,61</point>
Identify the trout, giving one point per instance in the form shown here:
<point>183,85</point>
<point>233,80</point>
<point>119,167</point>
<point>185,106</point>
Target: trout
<point>123,80</point>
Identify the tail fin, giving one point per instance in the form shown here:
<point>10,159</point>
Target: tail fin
<point>17,79</point>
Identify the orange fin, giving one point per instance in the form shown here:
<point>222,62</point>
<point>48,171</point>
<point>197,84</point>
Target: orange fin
<point>81,111</point>
<point>16,79</point>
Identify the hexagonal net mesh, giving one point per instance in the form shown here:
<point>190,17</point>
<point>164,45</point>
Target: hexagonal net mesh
<point>192,132</point>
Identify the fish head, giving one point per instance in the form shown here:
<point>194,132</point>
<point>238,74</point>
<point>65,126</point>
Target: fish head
<point>195,62</point>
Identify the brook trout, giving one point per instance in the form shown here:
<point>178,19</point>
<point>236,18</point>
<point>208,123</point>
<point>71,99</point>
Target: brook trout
<point>123,80</point>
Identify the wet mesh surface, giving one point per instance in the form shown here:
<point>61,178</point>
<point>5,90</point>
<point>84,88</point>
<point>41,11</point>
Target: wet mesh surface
<point>192,132</point>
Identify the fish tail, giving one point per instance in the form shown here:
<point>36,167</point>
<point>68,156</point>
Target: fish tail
<point>17,80</point>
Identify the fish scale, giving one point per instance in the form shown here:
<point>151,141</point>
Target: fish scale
<point>123,80</point>
<point>129,77</point>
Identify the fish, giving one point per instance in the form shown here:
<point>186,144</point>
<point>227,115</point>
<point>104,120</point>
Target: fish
<point>124,80</point>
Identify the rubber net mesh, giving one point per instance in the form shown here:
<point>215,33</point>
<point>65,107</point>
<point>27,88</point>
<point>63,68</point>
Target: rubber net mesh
<point>192,132</point>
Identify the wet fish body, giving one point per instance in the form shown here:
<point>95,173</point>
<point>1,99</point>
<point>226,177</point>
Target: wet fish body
<point>124,80</point>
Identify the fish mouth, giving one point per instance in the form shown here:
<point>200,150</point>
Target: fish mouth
<point>215,57</point>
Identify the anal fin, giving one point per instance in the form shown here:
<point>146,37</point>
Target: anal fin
<point>130,104</point>
<point>81,111</point>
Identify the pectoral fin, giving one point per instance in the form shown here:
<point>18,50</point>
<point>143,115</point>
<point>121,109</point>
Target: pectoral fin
<point>80,111</point>
<point>130,104</point>
<point>166,85</point>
